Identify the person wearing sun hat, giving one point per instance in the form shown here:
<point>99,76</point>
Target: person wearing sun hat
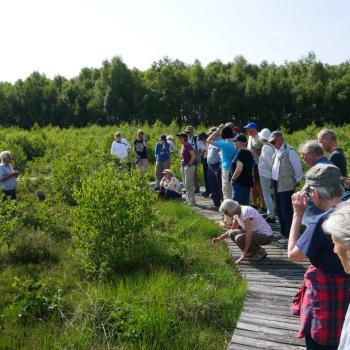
<point>170,185</point>
<point>265,170</point>
<point>325,298</point>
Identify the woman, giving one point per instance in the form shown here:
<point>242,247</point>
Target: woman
<point>8,176</point>
<point>170,185</point>
<point>337,225</point>
<point>265,172</point>
<point>249,230</point>
<point>162,154</point>
<point>140,149</point>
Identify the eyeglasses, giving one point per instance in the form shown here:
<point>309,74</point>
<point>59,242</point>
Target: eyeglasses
<point>309,191</point>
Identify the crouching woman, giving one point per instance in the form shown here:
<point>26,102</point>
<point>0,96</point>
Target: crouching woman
<point>170,186</point>
<point>249,230</point>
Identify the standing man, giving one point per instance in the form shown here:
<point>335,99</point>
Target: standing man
<point>140,149</point>
<point>188,166</point>
<point>254,146</point>
<point>227,152</point>
<point>203,151</point>
<point>328,139</point>
<point>312,154</point>
<point>162,154</point>
<point>8,176</point>
<point>214,172</point>
<point>324,298</point>
<point>193,140</point>
<point>242,171</point>
<point>120,150</point>
<point>286,173</point>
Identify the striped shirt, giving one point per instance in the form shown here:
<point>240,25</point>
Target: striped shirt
<point>259,224</point>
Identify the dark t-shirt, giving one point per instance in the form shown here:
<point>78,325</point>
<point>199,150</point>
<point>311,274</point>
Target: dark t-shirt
<point>140,149</point>
<point>185,153</point>
<point>318,246</point>
<point>338,159</point>
<point>245,178</point>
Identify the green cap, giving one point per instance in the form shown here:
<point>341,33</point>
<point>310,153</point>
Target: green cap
<point>322,175</point>
<point>189,128</point>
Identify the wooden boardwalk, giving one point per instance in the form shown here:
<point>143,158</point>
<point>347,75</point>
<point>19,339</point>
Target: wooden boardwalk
<point>265,322</point>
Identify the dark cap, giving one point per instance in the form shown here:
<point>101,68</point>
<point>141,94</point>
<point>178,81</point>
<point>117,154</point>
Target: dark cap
<point>240,138</point>
<point>250,126</point>
<point>202,136</point>
<point>274,135</point>
<point>322,175</point>
<point>162,138</point>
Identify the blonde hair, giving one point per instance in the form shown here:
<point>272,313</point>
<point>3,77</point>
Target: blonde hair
<point>338,224</point>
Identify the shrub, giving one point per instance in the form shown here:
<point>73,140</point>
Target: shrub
<point>32,247</point>
<point>9,222</point>
<point>115,212</point>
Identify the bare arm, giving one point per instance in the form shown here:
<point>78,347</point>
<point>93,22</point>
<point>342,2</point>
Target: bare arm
<point>238,170</point>
<point>213,136</point>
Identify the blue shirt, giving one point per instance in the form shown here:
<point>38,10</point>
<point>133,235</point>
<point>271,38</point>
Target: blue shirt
<point>318,246</point>
<point>228,152</point>
<point>311,211</point>
<point>165,149</point>
<point>10,183</point>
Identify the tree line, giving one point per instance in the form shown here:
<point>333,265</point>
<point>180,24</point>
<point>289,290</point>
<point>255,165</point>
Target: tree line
<point>292,95</point>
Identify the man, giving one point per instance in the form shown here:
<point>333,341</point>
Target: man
<point>162,155</point>
<point>312,154</point>
<point>120,150</point>
<point>214,171</point>
<point>203,151</point>
<point>193,140</point>
<point>286,173</point>
<point>254,146</point>
<point>140,149</point>
<point>242,171</point>
<point>324,297</point>
<point>188,165</point>
<point>227,152</point>
<point>328,139</point>
<point>8,176</point>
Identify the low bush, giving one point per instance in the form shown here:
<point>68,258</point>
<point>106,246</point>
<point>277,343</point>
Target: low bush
<point>113,221</point>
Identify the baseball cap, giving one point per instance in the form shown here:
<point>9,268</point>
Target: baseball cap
<point>274,135</point>
<point>240,138</point>
<point>189,128</point>
<point>162,138</point>
<point>202,136</point>
<point>181,133</point>
<point>250,126</point>
<point>264,134</point>
<point>322,175</point>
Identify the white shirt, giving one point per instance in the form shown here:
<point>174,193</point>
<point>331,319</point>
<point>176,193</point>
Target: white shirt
<point>265,161</point>
<point>294,161</point>
<point>172,146</point>
<point>120,148</point>
<point>259,224</point>
<point>172,185</point>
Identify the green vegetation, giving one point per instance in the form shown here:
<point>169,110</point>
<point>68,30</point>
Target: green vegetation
<point>90,259</point>
<point>292,95</point>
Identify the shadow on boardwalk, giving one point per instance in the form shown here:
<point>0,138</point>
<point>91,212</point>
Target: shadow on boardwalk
<point>266,321</point>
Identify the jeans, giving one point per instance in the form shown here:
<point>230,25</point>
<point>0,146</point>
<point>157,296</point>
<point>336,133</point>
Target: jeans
<point>312,345</point>
<point>266,189</point>
<point>214,180</point>
<point>241,194</point>
<point>284,209</point>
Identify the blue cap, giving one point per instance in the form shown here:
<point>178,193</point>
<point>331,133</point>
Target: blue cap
<point>250,126</point>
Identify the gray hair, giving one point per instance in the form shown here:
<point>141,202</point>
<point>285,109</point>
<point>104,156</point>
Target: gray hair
<point>329,192</point>
<point>311,147</point>
<point>338,224</point>
<point>328,134</point>
<point>229,205</point>
<point>4,154</point>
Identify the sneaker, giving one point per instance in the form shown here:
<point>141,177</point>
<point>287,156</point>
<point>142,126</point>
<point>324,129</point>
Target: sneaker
<point>262,210</point>
<point>270,220</point>
<point>197,191</point>
<point>205,194</point>
<point>261,254</point>
<point>277,236</point>
<point>283,241</point>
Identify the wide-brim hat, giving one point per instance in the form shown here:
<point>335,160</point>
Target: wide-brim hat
<point>168,171</point>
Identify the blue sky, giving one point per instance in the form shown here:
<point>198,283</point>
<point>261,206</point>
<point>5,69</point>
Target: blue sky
<point>61,37</point>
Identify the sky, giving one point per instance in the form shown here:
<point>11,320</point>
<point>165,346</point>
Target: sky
<point>60,37</point>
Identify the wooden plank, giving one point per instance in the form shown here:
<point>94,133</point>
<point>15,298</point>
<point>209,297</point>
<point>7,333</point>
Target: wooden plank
<point>264,344</point>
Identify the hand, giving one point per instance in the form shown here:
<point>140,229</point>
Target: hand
<point>299,201</point>
<point>215,240</point>
<point>240,259</point>
<point>15,173</point>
